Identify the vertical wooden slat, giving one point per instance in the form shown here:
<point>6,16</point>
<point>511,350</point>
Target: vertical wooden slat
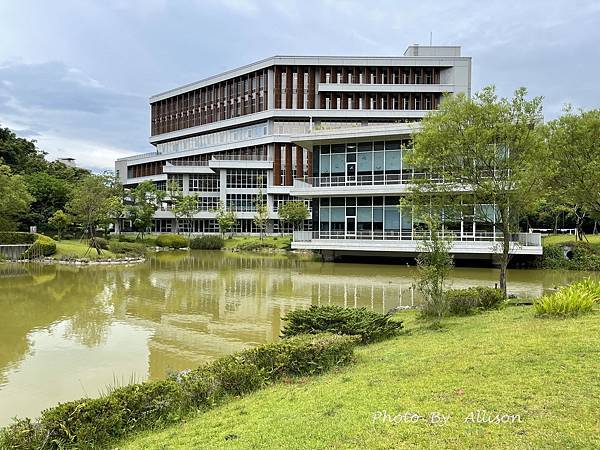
<point>300,88</point>
<point>299,161</point>
<point>277,165</point>
<point>311,87</point>
<point>277,89</point>
<point>288,87</point>
<point>288,164</point>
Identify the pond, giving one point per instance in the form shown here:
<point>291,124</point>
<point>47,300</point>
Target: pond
<point>69,331</point>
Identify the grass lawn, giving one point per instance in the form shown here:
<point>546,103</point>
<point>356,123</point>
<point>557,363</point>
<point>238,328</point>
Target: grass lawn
<point>561,238</point>
<point>547,371</point>
<point>280,242</point>
<point>77,249</point>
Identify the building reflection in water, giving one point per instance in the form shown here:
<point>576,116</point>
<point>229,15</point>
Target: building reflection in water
<point>176,311</point>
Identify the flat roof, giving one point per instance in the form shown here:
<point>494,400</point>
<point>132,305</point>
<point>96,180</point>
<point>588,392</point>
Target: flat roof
<point>441,59</point>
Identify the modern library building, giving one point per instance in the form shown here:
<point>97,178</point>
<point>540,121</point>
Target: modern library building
<point>330,131</point>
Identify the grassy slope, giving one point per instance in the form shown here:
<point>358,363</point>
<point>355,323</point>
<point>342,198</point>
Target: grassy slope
<point>78,249</point>
<point>561,238</point>
<point>508,361</point>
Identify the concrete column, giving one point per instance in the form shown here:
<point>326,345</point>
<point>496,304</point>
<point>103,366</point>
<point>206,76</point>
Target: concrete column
<point>223,184</point>
<point>270,91</point>
<point>186,184</point>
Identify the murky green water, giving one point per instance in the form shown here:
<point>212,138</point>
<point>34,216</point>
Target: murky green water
<point>67,332</point>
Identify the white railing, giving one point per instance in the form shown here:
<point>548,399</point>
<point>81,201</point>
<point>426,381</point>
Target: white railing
<point>362,180</point>
<point>523,239</point>
<point>240,158</point>
<point>186,163</point>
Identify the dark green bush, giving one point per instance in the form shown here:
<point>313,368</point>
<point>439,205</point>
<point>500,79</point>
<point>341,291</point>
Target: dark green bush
<point>466,301</point>
<point>93,423</point>
<point>126,238</point>
<point>369,325</point>
<point>207,242</point>
<point>127,248</point>
<point>171,241</point>
<point>101,242</point>
<point>150,241</point>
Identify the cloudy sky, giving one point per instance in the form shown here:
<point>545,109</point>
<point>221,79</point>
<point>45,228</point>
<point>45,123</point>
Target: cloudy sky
<point>76,74</point>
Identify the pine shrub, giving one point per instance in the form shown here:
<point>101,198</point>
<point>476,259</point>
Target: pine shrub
<point>207,242</point>
<point>467,301</point>
<point>171,241</point>
<point>369,325</point>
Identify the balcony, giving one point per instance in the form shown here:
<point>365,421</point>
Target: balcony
<point>240,162</point>
<point>387,87</point>
<point>410,242</point>
<point>359,184</point>
<point>187,167</point>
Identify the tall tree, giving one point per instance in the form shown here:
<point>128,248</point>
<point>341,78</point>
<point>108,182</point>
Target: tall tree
<point>489,148</point>
<point>574,146</point>
<point>20,154</point>
<point>91,204</point>
<point>14,198</point>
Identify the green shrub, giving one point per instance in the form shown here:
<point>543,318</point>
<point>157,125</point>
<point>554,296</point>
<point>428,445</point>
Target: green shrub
<point>126,238</point>
<point>171,241</point>
<point>150,241</point>
<point>127,248</point>
<point>593,287</point>
<point>567,301</point>
<point>370,326</point>
<point>256,245</point>
<point>93,423</point>
<point>16,237</point>
<point>43,246</point>
<point>467,301</point>
<point>584,256</point>
<point>208,242</point>
<point>250,369</point>
<point>101,242</point>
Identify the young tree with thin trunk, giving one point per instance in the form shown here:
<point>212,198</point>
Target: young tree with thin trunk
<point>225,219</point>
<point>91,205</point>
<point>60,221</point>
<point>144,201</point>
<point>184,208</point>
<point>293,213</point>
<point>261,216</point>
<point>488,148</point>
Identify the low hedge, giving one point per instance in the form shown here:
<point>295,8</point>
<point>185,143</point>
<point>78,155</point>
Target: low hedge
<point>208,242</point>
<point>127,248</point>
<point>93,423</point>
<point>369,325</point>
<point>16,237</point>
<point>171,241</point>
<point>467,301</point>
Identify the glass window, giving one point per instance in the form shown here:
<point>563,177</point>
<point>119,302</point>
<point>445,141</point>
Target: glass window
<point>365,147</point>
<point>392,218</point>
<point>378,162</point>
<point>392,161</point>
<point>338,164</point>
<point>365,163</point>
<point>338,148</point>
<point>325,164</point>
